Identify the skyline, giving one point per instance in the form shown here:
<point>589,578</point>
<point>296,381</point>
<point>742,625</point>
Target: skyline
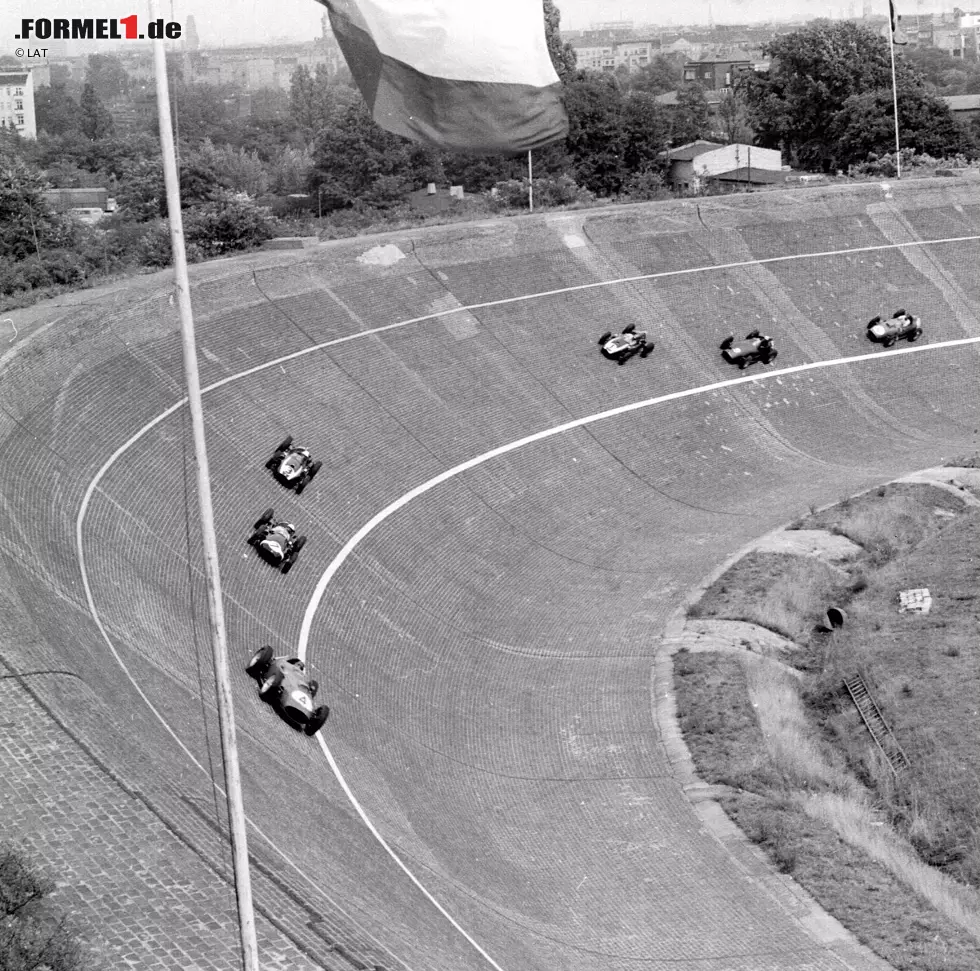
<point>237,22</point>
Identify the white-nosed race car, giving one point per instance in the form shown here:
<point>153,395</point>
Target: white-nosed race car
<point>621,347</point>
<point>284,684</point>
<point>902,324</point>
<point>276,541</point>
<point>293,466</point>
<point>755,347</point>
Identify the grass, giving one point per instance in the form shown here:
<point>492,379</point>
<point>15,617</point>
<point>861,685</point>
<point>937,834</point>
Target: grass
<point>781,592</point>
<point>896,859</point>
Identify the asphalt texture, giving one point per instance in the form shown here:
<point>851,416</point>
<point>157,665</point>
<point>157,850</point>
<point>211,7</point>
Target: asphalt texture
<point>493,652</point>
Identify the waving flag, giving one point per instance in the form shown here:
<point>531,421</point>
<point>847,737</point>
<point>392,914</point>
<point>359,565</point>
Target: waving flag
<point>898,36</point>
<point>461,75</point>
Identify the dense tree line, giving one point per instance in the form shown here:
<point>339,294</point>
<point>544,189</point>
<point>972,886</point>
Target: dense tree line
<point>825,102</point>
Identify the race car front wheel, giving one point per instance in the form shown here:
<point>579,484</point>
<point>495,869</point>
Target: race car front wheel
<point>260,662</point>
<point>316,722</point>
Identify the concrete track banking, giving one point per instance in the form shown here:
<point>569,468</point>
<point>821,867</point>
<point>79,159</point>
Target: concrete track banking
<point>487,652</point>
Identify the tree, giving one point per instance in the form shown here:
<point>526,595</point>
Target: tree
<point>96,122</point>
<point>733,116</point>
<point>646,133</point>
<point>107,75</point>
<point>56,111</point>
<point>353,155</point>
<point>562,54</point>
<point>813,72</point>
<point>865,125</point>
<point>314,102</point>
<point>595,133</point>
<point>27,224</point>
<point>658,77</point>
<point>690,115</point>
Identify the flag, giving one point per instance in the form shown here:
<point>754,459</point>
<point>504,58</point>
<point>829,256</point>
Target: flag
<point>460,75</point>
<point>898,36</point>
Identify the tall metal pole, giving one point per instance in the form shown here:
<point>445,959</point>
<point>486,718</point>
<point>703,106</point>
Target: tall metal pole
<point>892,26</point>
<point>222,682</point>
<point>530,183</point>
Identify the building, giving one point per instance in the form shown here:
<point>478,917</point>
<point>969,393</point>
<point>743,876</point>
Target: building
<point>717,72</point>
<point>965,107</point>
<point>17,102</point>
<point>692,165</point>
<point>89,205</point>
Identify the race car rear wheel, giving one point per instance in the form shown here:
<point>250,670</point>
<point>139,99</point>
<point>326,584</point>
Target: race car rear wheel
<point>604,338</point>
<point>260,662</point>
<point>317,720</point>
<point>266,517</point>
<point>270,685</point>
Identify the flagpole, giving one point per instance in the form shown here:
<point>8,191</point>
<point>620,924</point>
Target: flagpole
<point>892,27</point>
<point>222,681</point>
<point>530,184</point>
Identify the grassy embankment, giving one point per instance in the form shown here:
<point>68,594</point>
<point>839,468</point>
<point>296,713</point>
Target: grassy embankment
<point>896,858</point>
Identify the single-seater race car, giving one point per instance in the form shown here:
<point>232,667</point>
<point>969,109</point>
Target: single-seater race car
<point>622,347</point>
<point>755,347</point>
<point>284,684</point>
<point>292,466</point>
<point>276,541</point>
<point>902,324</point>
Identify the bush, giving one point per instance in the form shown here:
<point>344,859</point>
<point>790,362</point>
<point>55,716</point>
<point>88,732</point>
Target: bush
<point>64,267</point>
<point>33,937</point>
<point>560,190</point>
<point>12,278</point>
<point>646,187</point>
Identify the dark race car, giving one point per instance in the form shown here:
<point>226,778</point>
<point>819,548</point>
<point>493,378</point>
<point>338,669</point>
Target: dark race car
<point>292,466</point>
<point>622,347</point>
<point>276,541</point>
<point>886,332</point>
<point>755,347</point>
<point>284,684</point>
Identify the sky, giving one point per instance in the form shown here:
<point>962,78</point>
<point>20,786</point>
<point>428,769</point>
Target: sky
<point>245,21</point>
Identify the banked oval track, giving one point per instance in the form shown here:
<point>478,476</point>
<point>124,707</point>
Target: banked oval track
<point>486,643</point>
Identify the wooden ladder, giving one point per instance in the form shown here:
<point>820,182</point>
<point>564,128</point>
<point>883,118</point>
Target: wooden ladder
<point>875,722</point>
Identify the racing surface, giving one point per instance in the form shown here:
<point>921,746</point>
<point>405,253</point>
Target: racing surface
<point>487,651</point>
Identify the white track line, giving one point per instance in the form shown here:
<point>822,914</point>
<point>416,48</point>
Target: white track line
<point>425,487</point>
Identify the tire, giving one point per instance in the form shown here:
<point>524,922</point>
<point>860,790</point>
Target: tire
<point>314,687</point>
<point>255,537</point>
<point>270,686</point>
<point>298,545</point>
<point>889,340</point>
<point>743,363</point>
<point>266,517</point>
<point>622,360</point>
<point>604,338</point>
<point>752,334</point>
<point>727,342</point>
<point>314,469</point>
<point>898,313</point>
<point>915,335</point>
<point>287,565</point>
<point>301,484</point>
<point>630,329</point>
<point>771,356</point>
<point>646,350</point>
<point>285,443</point>
<point>317,721</point>
<point>873,321</point>
<point>260,662</point>
<point>274,461</point>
